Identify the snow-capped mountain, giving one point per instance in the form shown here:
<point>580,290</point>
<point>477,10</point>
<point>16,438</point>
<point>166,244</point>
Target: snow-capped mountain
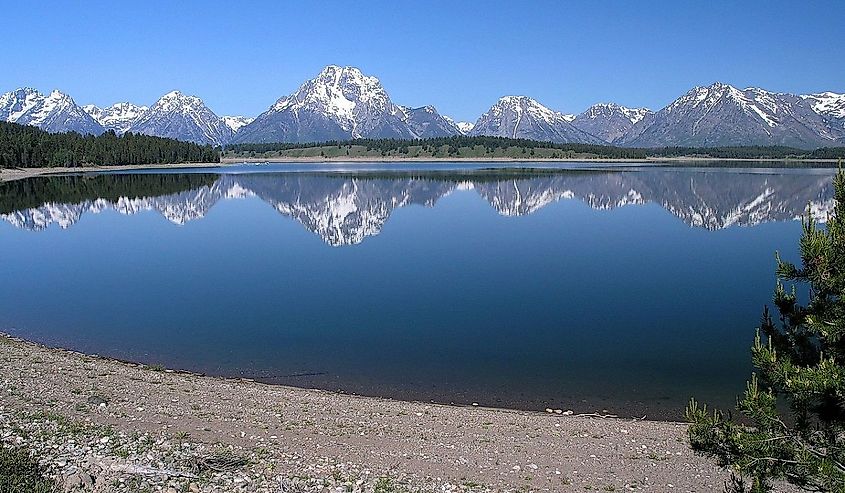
<point>828,104</point>
<point>722,115</point>
<point>118,117</point>
<point>426,122</point>
<point>56,112</point>
<point>342,103</point>
<point>465,127</point>
<point>236,122</point>
<point>183,117</point>
<point>521,117</point>
<point>610,121</point>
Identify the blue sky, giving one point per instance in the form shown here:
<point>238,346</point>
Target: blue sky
<point>459,56</point>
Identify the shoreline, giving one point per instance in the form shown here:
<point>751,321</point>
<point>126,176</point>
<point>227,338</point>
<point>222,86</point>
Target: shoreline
<point>394,159</point>
<point>291,433</point>
<point>12,174</point>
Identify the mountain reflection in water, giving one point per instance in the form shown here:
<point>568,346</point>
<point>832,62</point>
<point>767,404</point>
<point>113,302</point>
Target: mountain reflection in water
<point>344,210</point>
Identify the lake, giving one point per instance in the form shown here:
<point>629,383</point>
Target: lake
<point>624,290</point>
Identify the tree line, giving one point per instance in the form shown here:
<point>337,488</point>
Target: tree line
<point>24,146</point>
<point>400,146</point>
<point>453,143</point>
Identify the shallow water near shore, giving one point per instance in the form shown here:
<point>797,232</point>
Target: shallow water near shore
<point>625,290</point>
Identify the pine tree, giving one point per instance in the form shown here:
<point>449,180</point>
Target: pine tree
<point>793,410</point>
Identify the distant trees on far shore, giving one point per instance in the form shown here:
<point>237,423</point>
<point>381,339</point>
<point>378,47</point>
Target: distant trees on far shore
<point>484,145</point>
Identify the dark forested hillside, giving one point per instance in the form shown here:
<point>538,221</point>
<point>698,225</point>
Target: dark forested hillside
<point>24,146</point>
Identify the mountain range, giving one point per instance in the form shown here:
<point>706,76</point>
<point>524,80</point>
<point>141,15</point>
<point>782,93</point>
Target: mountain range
<point>342,103</point>
<point>344,210</point>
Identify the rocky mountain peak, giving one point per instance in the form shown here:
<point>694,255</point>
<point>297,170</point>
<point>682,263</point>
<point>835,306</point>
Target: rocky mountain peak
<point>605,110</point>
<point>610,122</point>
<point>118,117</point>
<point>56,112</point>
<point>524,117</point>
<point>343,93</point>
<point>180,116</point>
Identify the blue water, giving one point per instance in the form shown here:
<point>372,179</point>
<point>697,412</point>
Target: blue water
<point>627,291</point>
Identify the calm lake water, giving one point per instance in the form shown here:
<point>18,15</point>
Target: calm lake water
<point>621,290</point>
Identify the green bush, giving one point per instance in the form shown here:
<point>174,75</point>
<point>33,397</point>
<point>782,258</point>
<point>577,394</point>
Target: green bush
<point>793,410</point>
<point>20,473</point>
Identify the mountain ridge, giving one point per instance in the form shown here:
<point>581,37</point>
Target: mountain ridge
<point>56,112</point>
<point>343,103</point>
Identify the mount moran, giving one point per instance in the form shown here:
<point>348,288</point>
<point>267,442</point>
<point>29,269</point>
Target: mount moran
<point>342,103</point>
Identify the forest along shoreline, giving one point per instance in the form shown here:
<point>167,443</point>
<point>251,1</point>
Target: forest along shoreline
<point>119,426</point>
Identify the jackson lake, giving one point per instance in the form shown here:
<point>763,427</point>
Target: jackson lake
<point>622,290</point>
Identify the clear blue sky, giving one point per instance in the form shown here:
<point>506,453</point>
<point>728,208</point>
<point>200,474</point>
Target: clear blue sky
<point>459,56</point>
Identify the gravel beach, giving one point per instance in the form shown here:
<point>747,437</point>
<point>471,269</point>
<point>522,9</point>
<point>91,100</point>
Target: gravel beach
<point>104,425</point>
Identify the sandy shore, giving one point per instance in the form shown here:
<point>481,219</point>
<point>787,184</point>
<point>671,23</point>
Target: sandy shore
<point>110,424</point>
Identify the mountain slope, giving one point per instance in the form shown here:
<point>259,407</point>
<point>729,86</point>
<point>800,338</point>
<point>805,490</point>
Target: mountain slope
<point>609,121</point>
<point>722,115</point>
<point>118,117</point>
<point>56,112</point>
<point>183,117</point>
<point>426,122</point>
<point>521,117</point>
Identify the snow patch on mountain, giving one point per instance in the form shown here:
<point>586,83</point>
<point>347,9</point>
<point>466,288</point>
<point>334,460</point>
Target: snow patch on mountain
<point>829,104</point>
<point>236,122</point>
<point>465,127</point>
